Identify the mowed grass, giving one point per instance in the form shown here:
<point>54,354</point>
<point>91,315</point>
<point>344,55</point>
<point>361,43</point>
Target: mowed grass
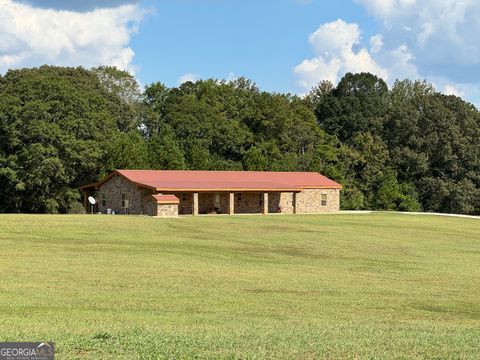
<point>366,286</point>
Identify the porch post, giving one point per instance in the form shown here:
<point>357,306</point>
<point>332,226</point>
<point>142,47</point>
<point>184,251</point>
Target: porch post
<point>85,201</point>
<point>195,203</point>
<point>265,203</point>
<point>231,203</point>
<point>294,200</point>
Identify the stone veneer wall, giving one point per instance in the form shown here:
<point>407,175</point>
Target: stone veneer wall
<point>167,210</point>
<point>224,203</point>
<point>249,204</point>
<point>185,207</point>
<point>280,202</point>
<point>113,189</point>
<point>151,207</point>
<point>309,201</point>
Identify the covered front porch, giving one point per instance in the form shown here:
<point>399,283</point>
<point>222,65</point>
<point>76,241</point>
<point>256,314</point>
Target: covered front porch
<point>243,202</point>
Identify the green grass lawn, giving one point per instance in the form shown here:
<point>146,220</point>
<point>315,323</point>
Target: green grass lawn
<point>370,286</point>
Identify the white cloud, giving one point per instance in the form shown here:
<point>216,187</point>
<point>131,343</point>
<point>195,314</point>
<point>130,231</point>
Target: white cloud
<point>335,36</point>
<point>76,5</point>
<point>311,71</point>
<point>400,63</point>
<point>441,31</point>
<point>451,89</point>
<point>32,36</point>
<point>188,77</point>
<point>471,92</point>
<point>334,45</point>
<point>376,43</point>
<point>438,39</point>
<point>195,77</point>
<point>387,8</point>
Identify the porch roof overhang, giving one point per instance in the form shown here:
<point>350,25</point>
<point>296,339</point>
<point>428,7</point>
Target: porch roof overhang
<point>166,199</point>
<point>220,181</point>
<point>96,185</point>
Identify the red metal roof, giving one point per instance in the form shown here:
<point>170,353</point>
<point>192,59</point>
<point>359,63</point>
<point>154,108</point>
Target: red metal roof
<point>187,180</point>
<point>166,199</point>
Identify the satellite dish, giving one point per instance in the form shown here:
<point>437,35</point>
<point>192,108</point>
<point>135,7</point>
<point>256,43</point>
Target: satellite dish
<point>91,200</point>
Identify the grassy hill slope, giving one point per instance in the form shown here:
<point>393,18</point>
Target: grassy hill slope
<point>328,286</point>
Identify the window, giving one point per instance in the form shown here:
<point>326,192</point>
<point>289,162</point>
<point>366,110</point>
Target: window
<point>323,200</point>
<point>104,199</point>
<point>239,197</point>
<point>260,199</point>
<point>125,203</point>
<point>217,200</point>
<point>184,197</point>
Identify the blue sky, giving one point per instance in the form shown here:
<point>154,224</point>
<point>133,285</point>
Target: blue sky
<point>262,40</point>
<point>283,45</point>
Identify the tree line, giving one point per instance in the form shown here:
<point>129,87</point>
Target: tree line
<point>406,148</point>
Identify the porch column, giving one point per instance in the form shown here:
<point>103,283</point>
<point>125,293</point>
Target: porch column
<point>265,203</point>
<point>294,201</point>
<point>231,203</point>
<point>195,203</point>
<point>85,201</point>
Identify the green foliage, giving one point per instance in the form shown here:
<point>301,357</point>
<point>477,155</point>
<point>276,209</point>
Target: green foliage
<point>318,94</point>
<point>154,99</point>
<point>55,128</point>
<point>408,148</point>
<point>76,207</point>
<point>128,151</point>
<point>255,160</point>
<point>434,142</point>
<point>198,156</point>
<point>119,83</point>
<point>464,197</point>
<point>164,152</point>
<point>352,198</point>
<point>358,104</point>
<point>391,195</point>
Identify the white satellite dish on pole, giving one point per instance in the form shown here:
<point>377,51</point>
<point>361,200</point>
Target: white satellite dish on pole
<point>92,202</point>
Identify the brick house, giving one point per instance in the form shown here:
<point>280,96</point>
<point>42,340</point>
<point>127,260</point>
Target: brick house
<point>177,192</point>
